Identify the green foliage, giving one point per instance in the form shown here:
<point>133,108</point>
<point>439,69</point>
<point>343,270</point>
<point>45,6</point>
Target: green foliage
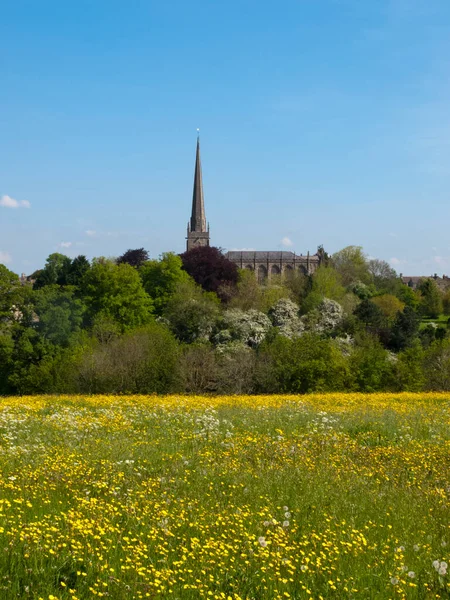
<point>59,313</point>
<point>55,271</point>
<point>408,296</point>
<point>326,283</point>
<point>115,292</point>
<point>192,313</point>
<point>11,294</point>
<point>389,305</point>
<point>446,302</point>
<point>352,265</point>
<point>77,270</point>
<point>143,361</point>
<point>371,366</point>
<point>304,364</point>
<point>431,300</point>
<point>437,366</point>
<point>409,372</point>
<point>404,329</point>
<point>371,315</point>
<point>161,278</point>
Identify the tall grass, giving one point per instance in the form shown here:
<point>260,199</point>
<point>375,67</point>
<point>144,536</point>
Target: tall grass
<point>324,496</point>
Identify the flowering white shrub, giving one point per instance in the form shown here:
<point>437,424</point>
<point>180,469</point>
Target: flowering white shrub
<point>285,316</point>
<point>250,327</point>
<point>325,318</point>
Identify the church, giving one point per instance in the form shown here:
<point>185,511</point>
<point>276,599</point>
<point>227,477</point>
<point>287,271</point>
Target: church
<point>263,263</point>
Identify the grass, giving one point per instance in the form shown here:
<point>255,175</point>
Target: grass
<point>322,496</point>
<point>441,321</point>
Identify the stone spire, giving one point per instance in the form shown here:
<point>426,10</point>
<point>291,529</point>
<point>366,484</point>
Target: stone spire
<point>197,233</point>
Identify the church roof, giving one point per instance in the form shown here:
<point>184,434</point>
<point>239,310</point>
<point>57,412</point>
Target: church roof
<point>283,255</point>
<point>198,217</point>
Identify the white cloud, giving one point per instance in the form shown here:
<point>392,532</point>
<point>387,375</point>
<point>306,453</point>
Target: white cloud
<point>442,261</point>
<point>5,257</point>
<point>397,261</point>
<point>8,202</point>
<point>287,242</point>
<point>90,232</point>
<point>65,244</point>
<point>242,250</point>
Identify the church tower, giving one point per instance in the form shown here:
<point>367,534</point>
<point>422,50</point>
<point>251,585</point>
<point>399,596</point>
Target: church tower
<point>197,232</point>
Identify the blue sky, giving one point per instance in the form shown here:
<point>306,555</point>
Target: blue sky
<point>322,122</point>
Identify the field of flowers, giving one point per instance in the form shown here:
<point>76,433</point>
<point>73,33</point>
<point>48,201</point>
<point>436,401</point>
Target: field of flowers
<point>321,496</point>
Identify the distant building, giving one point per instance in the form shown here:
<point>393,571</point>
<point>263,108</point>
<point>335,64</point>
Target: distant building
<point>414,281</point>
<point>263,263</point>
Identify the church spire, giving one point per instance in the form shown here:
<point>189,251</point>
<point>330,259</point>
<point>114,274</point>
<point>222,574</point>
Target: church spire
<point>198,233</point>
<point>198,219</point>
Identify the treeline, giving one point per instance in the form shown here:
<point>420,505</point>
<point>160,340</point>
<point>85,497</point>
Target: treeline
<point>195,323</point>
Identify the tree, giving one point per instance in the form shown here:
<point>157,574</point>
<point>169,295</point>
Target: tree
<point>59,313</point>
<point>431,301</point>
<point>10,295</point>
<point>383,276</point>
<point>409,368</point>
<point>446,302</point>
<point>371,366</point>
<point>285,317</point>
<point>116,292</point>
<point>371,315</point>
<point>302,365</point>
<point>161,278</point>
<point>404,329</point>
<point>192,313</point>
<point>351,264</point>
<point>437,366</point>
<point>143,361</point>
<point>55,271</point>
<point>408,296</point>
<point>76,270</point>
<point>209,268</point>
<point>135,258</point>
<point>389,305</point>
<point>249,328</point>
<point>326,283</point>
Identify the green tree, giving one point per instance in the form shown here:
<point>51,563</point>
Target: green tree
<point>408,296</point>
<point>301,365</point>
<point>389,305</point>
<point>405,329</point>
<point>384,277</point>
<point>436,366</point>
<point>143,361</point>
<point>76,271</point>
<point>192,313</point>
<point>115,292</point>
<point>11,294</point>
<point>59,313</point>
<point>161,278</point>
<point>431,301</point>
<point>55,271</point>
<point>326,283</point>
<point>352,265</point>
<point>409,368</point>
<point>371,366</point>
<point>446,302</point>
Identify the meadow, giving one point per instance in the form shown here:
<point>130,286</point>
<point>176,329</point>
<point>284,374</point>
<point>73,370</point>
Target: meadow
<point>237,497</point>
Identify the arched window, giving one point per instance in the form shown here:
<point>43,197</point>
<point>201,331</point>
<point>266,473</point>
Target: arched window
<point>274,270</point>
<point>262,274</point>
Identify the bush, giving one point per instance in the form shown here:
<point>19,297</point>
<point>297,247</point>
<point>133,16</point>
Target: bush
<point>144,361</point>
<point>249,328</point>
<point>305,364</point>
